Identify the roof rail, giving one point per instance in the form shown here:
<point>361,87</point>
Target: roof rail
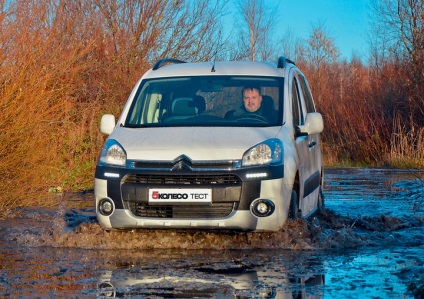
<point>165,61</point>
<point>283,61</point>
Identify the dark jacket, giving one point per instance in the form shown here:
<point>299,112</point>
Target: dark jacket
<point>269,115</point>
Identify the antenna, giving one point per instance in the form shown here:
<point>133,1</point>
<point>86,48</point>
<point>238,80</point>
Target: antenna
<point>214,60</point>
<point>213,65</point>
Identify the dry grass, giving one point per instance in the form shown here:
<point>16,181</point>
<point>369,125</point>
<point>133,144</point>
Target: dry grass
<point>60,71</point>
<point>368,116</point>
<point>47,123</point>
<point>406,146</point>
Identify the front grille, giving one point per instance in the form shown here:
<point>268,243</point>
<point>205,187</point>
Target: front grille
<point>226,192</point>
<point>181,211</point>
<point>226,179</point>
<point>195,166</point>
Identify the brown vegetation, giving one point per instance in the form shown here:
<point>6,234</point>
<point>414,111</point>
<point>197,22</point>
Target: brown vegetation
<point>65,63</point>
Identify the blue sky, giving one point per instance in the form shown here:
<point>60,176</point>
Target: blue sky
<point>346,21</point>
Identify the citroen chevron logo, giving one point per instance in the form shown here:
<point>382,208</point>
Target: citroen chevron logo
<point>181,162</point>
<point>182,158</point>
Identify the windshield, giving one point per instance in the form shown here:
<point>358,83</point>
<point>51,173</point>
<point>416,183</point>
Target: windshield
<point>207,101</point>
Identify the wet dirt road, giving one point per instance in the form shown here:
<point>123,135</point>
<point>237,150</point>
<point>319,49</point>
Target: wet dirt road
<point>369,243</point>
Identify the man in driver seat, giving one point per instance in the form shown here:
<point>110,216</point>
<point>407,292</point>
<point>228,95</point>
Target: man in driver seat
<point>252,105</point>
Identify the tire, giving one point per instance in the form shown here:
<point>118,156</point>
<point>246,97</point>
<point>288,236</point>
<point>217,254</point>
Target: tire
<point>293,209</point>
<point>320,204</point>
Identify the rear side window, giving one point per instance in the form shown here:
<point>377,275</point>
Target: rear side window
<point>306,95</point>
<point>296,105</point>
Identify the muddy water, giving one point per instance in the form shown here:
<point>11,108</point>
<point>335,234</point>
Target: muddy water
<point>369,243</point>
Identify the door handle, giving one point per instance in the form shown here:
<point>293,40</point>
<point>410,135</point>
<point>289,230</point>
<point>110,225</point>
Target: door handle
<point>312,144</point>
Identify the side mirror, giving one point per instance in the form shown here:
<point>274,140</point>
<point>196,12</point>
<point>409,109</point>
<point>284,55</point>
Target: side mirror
<point>107,124</point>
<point>313,125</point>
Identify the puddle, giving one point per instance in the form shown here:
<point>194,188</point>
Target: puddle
<point>369,242</point>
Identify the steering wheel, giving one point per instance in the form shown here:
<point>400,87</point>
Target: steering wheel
<point>253,116</point>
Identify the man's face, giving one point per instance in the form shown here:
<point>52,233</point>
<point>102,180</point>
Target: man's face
<point>252,100</point>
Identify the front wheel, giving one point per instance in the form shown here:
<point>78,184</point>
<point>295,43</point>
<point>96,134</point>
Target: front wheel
<point>293,209</point>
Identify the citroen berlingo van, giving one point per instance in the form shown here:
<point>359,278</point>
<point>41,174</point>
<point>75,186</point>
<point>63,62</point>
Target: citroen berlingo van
<point>212,146</point>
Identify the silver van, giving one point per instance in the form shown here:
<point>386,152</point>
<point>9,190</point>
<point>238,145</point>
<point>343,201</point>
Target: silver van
<point>212,145</point>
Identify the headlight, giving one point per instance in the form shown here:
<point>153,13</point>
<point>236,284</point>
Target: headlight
<point>113,153</point>
<point>267,152</point>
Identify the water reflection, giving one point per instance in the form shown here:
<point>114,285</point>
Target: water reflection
<point>368,192</point>
<point>223,279</point>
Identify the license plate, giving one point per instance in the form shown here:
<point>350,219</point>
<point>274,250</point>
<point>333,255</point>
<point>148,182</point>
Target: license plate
<point>180,195</point>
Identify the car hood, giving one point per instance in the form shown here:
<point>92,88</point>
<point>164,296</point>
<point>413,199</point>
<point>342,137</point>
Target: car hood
<point>197,143</point>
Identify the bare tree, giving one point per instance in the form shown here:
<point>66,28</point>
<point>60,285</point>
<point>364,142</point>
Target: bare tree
<point>195,30</point>
<point>62,63</point>
<point>320,46</point>
<point>151,29</point>
<point>292,46</point>
<point>399,39</point>
<point>320,53</point>
<point>411,18</point>
<point>255,24</point>
<point>398,24</point>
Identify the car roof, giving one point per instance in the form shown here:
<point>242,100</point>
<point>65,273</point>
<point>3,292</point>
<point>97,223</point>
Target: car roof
<point>176,68</point>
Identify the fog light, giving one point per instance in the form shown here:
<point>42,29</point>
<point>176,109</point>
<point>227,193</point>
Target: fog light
<point>262,207</point>
<point>106,289</point>
<point>106,206</point>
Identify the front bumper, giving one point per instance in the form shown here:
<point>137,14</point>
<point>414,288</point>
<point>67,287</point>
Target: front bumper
<point>233,191</point>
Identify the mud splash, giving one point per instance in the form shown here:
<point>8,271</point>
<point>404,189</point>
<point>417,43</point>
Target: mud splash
<point>76,229</point>
<point>333,231</point>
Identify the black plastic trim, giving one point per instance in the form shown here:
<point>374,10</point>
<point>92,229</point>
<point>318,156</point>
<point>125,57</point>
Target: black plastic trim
<point>165,61</point>
<point>250,187</point>
<point>312,183</point>
<point>283,61</point>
